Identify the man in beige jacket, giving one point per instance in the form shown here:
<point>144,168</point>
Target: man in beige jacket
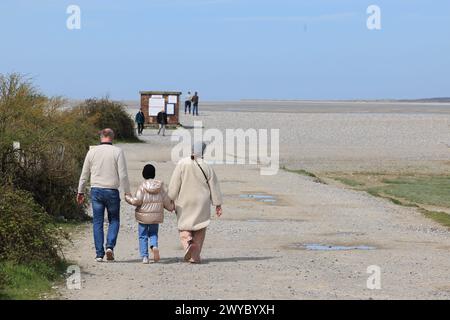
<point>194,187</point>
<point>106,168</point>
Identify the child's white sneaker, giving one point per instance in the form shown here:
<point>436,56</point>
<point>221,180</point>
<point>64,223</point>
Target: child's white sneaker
<point>145,260</point>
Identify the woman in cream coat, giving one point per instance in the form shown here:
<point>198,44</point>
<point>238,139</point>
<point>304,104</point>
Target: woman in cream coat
<point>194,187</point>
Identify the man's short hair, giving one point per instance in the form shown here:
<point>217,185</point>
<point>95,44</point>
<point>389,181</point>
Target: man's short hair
<point>107,133</point>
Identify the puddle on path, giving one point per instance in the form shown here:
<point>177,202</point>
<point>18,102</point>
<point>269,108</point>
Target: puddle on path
<point>341,233</point>
<point>328,247</point>
<point>259,197</point>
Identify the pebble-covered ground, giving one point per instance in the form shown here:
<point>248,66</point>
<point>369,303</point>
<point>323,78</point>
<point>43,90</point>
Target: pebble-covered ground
<point>256,250</point>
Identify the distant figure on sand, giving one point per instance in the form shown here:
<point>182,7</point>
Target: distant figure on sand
<point>195,104</point>
<point>150,200</point>
<point>187,102</point>
<point>161,118</point>
<point>106,168</point>
<point>140,120</point>
<point>194,187</point>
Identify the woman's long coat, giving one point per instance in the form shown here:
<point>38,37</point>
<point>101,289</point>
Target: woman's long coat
<point>192,195</point>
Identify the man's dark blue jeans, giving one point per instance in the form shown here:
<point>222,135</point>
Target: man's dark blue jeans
<point>187,105</point>
<point>195,109</point>
<point>108,199</point>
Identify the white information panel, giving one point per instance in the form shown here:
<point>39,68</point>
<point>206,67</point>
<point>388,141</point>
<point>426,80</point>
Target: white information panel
<point>155,104</point>
<point>173,99</point>
<point>153,111</point>
<point>170,109</point>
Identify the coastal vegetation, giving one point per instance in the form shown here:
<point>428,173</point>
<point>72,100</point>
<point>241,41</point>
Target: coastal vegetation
<point>429,193</point>
<point>42,149</point>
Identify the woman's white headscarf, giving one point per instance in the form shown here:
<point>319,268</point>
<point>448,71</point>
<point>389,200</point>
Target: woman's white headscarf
<point>198,148</point>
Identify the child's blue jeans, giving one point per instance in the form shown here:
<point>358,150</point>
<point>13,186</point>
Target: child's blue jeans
<point>147,232</point>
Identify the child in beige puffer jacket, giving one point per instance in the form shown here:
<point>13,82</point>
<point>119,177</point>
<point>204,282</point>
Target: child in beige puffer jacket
<point>150,200</point>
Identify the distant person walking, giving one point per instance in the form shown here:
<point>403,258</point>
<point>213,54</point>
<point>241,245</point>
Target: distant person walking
<point>187,102</point>
<point>140,120</point>
<point>105,166</point>
<point>161,118</point>
<point>195,104</point>
<point>194,187</point>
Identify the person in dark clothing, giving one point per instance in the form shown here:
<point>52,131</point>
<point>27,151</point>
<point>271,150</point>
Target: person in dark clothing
<point>187,102</point>
<point>140,120</point>
<point>195,104</point>
<point>161,118</point>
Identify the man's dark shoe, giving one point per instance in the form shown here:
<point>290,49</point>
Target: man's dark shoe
<point>109,254</point>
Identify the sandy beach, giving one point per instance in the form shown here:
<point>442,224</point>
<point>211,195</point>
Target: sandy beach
<point>257,249</point>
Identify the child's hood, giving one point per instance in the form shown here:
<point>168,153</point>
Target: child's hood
<point>152,185</point>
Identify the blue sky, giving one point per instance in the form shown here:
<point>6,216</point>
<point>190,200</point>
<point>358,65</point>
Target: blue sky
<point>230,49</point>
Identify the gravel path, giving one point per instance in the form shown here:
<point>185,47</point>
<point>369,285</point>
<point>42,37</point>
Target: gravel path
<point>255,250</point>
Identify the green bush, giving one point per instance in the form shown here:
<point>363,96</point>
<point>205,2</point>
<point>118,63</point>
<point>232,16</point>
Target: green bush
<point>3,281</point>
<point>53,143</point>
<point>38,182</point>
<point>26,233</point>
<point>104,113</point>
